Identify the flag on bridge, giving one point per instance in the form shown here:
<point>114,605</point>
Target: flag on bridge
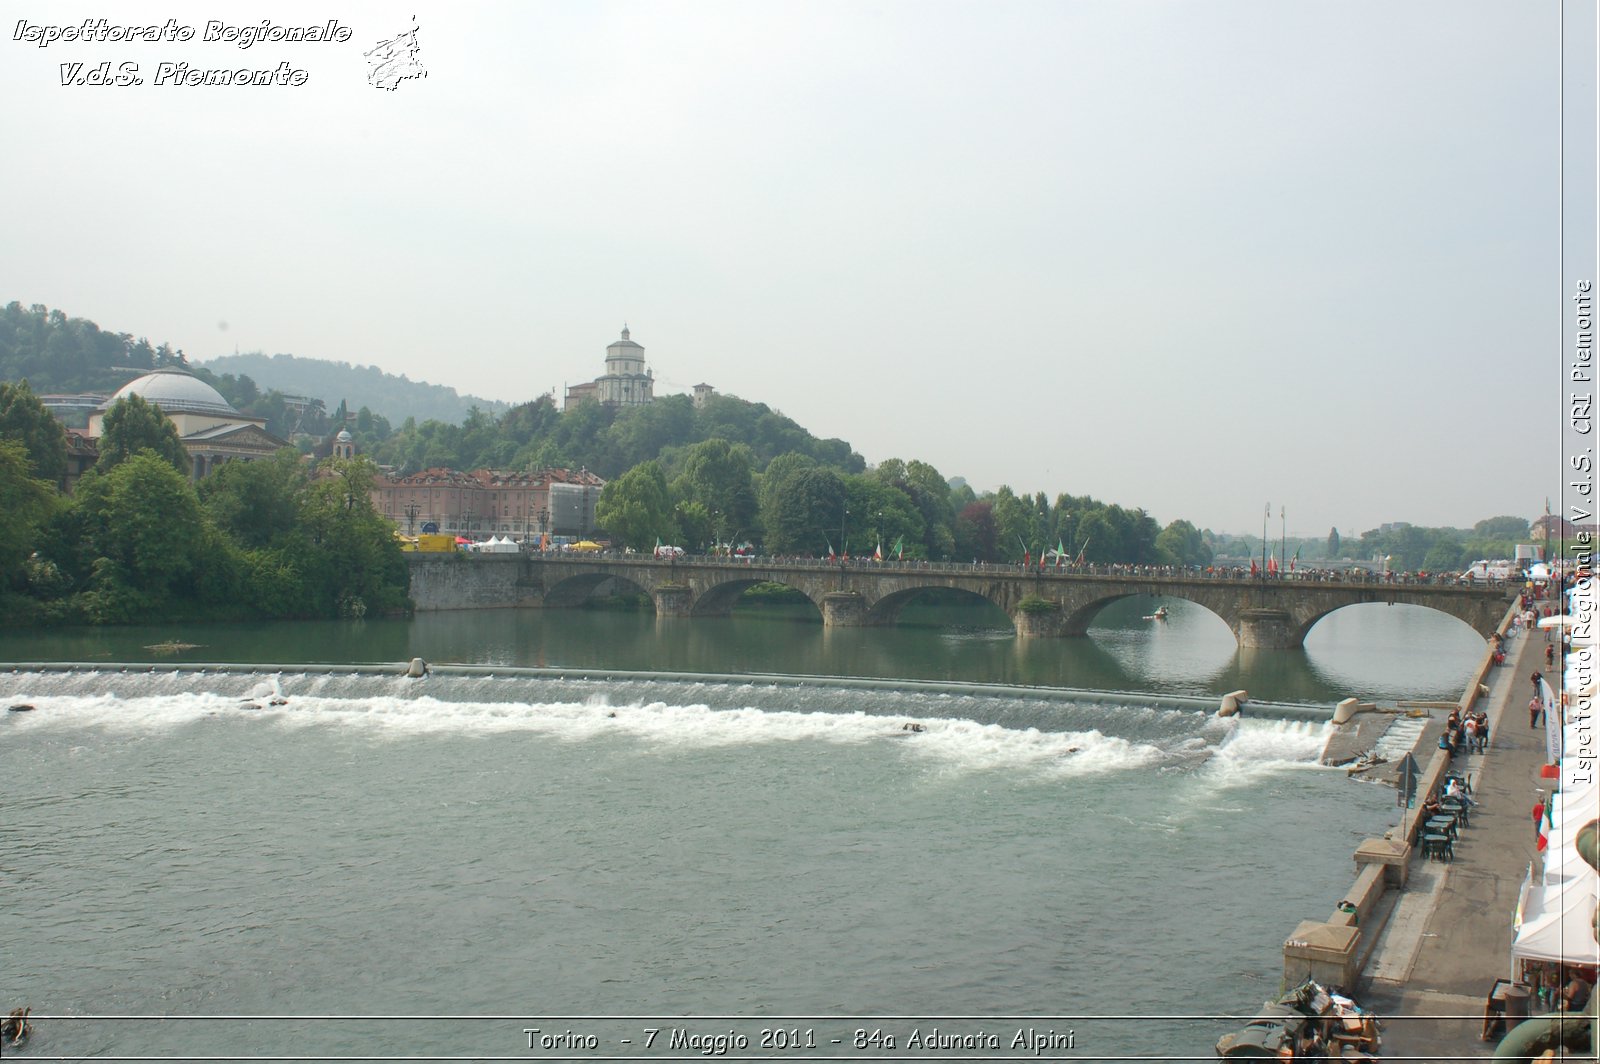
<point>877,554</point>
<point>1294,559</point>
<point>1254,569</point>
<point>830,548</point>
<point>1272,565</point>
<point>900,548</point>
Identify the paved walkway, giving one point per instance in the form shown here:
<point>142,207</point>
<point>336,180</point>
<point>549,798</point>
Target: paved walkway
<point>1449,937</point>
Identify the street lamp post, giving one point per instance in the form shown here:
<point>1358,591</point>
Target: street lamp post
<point>412,509</point>
<point>844,513</point>
<point>1283,541</point>
<point>1264,517</point>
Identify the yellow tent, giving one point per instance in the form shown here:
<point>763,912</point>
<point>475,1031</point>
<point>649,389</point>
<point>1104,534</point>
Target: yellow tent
<point>587,545</point>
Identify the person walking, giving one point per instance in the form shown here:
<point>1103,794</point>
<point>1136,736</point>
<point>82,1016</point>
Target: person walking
<point>1535,707</point>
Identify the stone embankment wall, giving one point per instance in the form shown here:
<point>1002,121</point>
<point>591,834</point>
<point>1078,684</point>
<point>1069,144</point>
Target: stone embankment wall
<point>458,581</point>
<point>1334,951</point>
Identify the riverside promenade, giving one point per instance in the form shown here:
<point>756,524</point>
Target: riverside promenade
<point>1449,936</point>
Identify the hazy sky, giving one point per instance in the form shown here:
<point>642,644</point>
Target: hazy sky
<point>1192,256</point>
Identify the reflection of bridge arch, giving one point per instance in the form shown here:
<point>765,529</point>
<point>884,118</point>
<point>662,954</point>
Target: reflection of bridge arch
<point>886,609</point>
<point>1262,613</point>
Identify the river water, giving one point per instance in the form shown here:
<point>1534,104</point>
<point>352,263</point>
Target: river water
<point>386,869</point>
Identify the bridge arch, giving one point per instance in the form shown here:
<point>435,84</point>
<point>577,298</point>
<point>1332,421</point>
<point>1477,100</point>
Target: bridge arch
<point>1080,617</point>
<point>577,589</point>
<point>1305,624</point>
<point>718,599</point>
<point>886,610</point>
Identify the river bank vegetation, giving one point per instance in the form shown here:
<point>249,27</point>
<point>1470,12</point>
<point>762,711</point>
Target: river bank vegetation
<point>138,540</point>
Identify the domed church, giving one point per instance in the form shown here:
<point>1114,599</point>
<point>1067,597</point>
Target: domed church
<point>212,431</point>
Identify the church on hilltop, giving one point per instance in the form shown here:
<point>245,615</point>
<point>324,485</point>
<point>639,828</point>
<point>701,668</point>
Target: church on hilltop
<point>626,381</point>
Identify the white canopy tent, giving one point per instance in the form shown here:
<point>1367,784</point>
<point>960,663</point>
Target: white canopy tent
<point>1558,924</point>
<point>1575,807</point>
<point>1562,862</point>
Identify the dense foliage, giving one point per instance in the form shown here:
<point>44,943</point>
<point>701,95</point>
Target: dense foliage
<point>55,353</point>
<point>24,418</point>
<point>133,425</point>
<point>607,441</point>
<point>138,542</point>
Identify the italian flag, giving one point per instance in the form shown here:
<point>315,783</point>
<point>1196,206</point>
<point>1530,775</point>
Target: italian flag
<point>900,548</point>
<point>1061,553</point>
<point>877,554</point>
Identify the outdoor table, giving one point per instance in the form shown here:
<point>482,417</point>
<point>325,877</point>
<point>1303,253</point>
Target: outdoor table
<point>1438,846</point>
<point>1443,825</point>
<point>1459,808</point>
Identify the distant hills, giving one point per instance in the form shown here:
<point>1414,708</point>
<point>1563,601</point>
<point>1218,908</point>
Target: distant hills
<point>57,353</point>
<point>394,397</point>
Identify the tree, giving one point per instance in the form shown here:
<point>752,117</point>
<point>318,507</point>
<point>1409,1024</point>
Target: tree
<point>1503,528</point>
<point>975,534</point>
<point>1180,543</point>
<point>881,514</point>
<point>150,541</point>
<point>346,555</point>
<point>930,493</point>
<point>133,425</point>
<point>640,433</point>
<point>717,475</point>
<point>256,502</point>
<point>1333,542</point>
<point>1444,556</point>
<point>26,503</point>
<point>635,507</point>
<point>771,484</point>
<point>803,511</point>
<point>24,418</point>
<point>1015,534</point>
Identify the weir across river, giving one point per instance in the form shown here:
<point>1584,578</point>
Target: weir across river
<point>1272,613</point>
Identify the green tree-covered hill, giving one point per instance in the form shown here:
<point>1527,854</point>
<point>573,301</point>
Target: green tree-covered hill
<point>393,397</point>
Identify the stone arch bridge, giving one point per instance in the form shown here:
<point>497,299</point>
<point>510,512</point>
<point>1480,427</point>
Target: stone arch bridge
<point>1273,613</point>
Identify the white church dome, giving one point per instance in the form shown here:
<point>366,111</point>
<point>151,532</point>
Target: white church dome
<point>175,391</point>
